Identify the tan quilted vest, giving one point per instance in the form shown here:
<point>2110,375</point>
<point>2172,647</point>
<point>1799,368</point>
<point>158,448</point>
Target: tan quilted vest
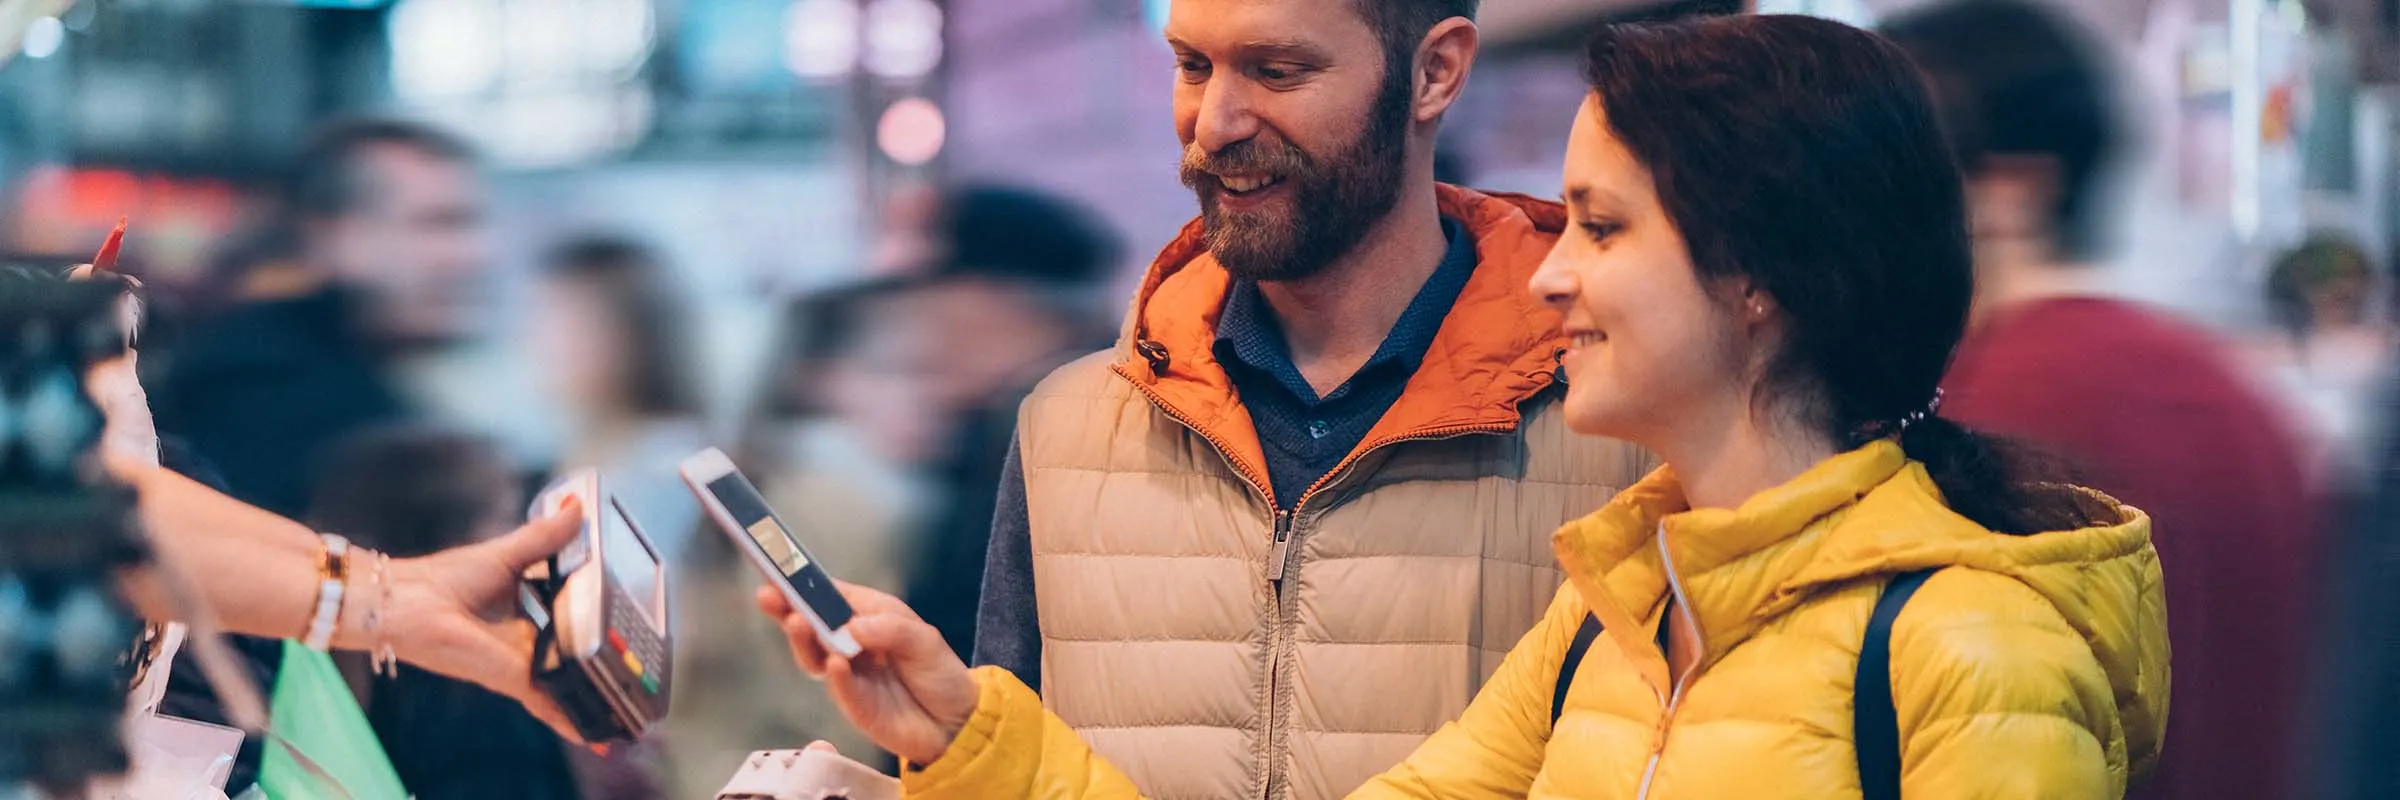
<point>1207,661</point>
<point>1168,647</point>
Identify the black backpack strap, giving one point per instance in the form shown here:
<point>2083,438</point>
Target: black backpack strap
<point>1584,636</point>
<point>1875,723</point>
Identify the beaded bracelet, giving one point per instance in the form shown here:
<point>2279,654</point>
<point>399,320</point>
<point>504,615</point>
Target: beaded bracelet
<point>385,661</point>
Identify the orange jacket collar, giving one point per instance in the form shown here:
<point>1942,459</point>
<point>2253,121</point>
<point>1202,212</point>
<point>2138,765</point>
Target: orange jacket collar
<point>1496,349</point>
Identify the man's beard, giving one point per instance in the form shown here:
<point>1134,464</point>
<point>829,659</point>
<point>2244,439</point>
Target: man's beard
<point>1334,201</point>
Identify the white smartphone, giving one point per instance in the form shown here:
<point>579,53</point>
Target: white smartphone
<point>738,509</point>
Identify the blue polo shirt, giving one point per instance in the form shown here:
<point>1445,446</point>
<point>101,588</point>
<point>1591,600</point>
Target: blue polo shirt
<point>1306,435</point>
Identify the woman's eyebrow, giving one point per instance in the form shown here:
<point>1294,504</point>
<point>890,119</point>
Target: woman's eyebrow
<point>1579,198</point>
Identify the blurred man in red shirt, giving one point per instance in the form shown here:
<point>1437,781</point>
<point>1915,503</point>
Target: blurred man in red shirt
<point>2147,408</point>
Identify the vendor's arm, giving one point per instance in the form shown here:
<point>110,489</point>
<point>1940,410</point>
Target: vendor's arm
<point>257,573</point>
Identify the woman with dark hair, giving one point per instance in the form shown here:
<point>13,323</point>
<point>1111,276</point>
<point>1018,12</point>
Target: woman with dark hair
<point>1830,590</point>
<point>611,336</point>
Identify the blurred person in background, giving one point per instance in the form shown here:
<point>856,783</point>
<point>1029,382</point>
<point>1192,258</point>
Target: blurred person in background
<point>849,429</point>
<point>1018,288</point>
<point>1322,468</point>
<point>372,250</point>
<point>385,256</point>
<point>2332,346</point>
<point>867,380</point>
<point>611,335</point>
<point>411,492</point>
<point>2155,412</point>
<point>2356,727</point>
<point>1769,270</point>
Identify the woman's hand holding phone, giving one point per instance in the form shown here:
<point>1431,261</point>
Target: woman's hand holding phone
<point>906,689</point>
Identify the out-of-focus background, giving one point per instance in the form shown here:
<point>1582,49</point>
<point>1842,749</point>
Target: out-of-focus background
<point>838,237</point>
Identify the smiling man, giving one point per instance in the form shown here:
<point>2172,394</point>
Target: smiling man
<point>1286,528</point>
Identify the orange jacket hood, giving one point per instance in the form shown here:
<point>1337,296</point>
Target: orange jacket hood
<point>1497,347</point>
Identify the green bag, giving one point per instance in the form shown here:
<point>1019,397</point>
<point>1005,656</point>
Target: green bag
<point>321,747</point>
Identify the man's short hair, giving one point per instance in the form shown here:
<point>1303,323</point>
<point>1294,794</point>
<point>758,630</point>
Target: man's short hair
<point>1402,24</point>
<point>2017,79</point>
<point>328,179</point>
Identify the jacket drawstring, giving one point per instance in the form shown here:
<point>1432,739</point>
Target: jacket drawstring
<point>1154,353</point>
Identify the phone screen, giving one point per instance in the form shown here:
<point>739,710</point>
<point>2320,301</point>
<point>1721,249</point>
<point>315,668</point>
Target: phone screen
<point>749,510</point>
<point>633,564</point>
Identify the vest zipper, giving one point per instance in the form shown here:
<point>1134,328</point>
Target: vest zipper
<point>1286,537</point>
<point>1280,554</point>
<point>1666,721</point>
<point>1279,560</point>
<point>1283,522</point>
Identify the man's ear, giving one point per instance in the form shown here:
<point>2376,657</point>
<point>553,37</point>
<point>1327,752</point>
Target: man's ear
<point>1443,60</point>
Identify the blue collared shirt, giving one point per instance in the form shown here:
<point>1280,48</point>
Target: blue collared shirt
<point>1305,436</point>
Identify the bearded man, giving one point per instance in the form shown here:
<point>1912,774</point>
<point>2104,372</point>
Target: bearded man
<point>1291,523</point>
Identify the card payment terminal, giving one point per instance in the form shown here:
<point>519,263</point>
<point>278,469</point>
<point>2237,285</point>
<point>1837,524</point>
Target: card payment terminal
<point>604,647</point>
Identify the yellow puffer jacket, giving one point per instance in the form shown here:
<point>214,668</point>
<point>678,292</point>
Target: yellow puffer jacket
<point>2030,666</point>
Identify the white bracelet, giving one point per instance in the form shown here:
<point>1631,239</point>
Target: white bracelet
<point>332,574</point>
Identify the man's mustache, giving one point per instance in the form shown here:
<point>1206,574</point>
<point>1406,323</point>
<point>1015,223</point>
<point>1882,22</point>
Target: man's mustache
<point>1200,167</point>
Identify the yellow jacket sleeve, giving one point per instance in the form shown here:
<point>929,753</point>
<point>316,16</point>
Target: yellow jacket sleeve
<point>1495,748</point>
<point>1983,665</point>
<point>1014,748</point>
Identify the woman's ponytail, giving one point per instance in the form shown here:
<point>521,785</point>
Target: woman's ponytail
<point>1999,484</point>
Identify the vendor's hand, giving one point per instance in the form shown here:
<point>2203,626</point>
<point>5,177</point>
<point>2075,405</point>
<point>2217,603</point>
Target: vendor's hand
<point>906,689</point>
<point>115,387</point>
<point>455,612</point>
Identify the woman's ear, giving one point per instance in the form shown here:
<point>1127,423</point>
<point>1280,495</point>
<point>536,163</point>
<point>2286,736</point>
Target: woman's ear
<point>1752,303</point>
